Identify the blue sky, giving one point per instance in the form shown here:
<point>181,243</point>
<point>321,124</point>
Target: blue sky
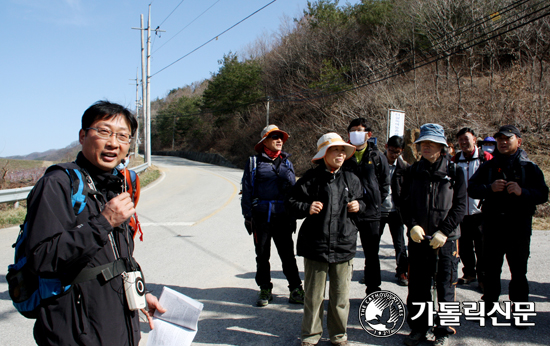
<point>60,56</point>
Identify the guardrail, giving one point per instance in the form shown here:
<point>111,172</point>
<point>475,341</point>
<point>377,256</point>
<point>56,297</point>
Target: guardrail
<point>19,194</point>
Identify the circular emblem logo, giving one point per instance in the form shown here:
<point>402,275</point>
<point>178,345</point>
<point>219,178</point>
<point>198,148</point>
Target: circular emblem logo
<point>382,314</point>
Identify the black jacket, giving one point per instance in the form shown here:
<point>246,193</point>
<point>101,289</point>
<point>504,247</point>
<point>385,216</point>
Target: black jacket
<point>60,244</point>
<point>272,181</point>
<point>374,173</point>
<point>331,235</point>
<point>433,199</point>
<point>516,168</point>
<point>397,180</point>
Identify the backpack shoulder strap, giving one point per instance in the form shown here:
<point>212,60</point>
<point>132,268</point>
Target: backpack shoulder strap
<point>80,188</point>
<point>252,166</point>
<point>451,171</point>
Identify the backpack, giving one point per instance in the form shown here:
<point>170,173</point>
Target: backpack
<point>26,289</point>
<point>134,191</point>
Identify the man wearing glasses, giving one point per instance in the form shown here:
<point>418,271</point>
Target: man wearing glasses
<point>267,178</point>
<point>391,207</point>
<point>71,245</point>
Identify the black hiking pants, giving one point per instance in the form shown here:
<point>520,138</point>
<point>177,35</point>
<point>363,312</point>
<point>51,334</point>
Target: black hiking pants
<point>510,237</point>
<point>280,228</point>
<point>369,231</point>
<point>422,266</point>
<point>470,246</point>
<point>395,224</point>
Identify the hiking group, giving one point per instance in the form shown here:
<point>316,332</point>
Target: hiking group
<point>476,206</point>
<point>75,273</point>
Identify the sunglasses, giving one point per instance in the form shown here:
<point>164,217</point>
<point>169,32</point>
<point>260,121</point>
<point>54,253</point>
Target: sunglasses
<point>276,136</point>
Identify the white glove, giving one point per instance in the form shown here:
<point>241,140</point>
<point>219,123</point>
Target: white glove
<point>417,234</point>
<point>438,240</point>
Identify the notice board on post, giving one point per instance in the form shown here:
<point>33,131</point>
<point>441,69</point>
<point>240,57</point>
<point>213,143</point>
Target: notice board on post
<point>396,123</point>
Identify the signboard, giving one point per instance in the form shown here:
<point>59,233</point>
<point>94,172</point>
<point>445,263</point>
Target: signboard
<point>396,123</point>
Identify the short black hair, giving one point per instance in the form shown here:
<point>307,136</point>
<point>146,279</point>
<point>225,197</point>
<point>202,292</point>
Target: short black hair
<point>360,122</point>
<point>465,130</point>
<point>107,110</point>
<point>396,142</point>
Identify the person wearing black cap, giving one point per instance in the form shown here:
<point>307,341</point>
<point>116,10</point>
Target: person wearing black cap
<point>267,177</point>
<point>511,186</point>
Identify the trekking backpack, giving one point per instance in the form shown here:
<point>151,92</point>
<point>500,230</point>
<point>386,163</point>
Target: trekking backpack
<point>133,185</point>
<point>26,289</point>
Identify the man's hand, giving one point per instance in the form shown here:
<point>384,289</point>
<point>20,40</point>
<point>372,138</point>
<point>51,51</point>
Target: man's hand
<point>353,207</point>
<point>498,185</point>
<point>153,305</point>
<point>513,187</point>
<point>248,225</point>
<point>438,240</point>
<point>417,234</point>
<point>315,208</point>
<point>119,209</point>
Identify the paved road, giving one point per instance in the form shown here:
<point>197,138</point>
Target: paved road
<point>195,243</point>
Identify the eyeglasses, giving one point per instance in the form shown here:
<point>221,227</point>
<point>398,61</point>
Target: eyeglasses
<point>276,136</point>
<point>395,151</point>
<point>105,133</point>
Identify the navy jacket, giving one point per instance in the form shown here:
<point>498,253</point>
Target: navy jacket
<point>331,235</point>
<point>269,186</point>
<point>60,244</point>
<point>374,174</point>
<point>516,168</point>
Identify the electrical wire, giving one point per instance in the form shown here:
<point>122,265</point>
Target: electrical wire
<point>185,27</point>
<point>212,39</point>
<point>171,13</point>
<point>427,59</point>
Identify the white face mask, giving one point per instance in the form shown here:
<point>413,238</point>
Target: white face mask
<point>123,164</point>
<point>357,137</point>
<point>488,148</point>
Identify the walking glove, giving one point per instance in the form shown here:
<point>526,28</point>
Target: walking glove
<point>438,240</point>
<point>417,234</point>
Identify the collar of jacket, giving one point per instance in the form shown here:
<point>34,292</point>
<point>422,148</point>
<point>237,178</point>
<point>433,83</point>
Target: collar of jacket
<point>105,182</point>
<point>438,169</point>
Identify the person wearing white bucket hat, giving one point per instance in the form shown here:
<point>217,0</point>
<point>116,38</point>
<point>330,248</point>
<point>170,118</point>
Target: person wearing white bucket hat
<point>329,200</point>
<point>267,178</point>
<point>434,204</point>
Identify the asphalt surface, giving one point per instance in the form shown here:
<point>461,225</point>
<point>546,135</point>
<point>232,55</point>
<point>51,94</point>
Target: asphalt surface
<point>195,243</point>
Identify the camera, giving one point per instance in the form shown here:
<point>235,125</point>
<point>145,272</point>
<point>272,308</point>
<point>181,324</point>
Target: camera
<point>134,288</point>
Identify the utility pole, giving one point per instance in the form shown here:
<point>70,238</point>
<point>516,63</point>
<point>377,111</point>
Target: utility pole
<point>143,87</point>
<point>148,100</point>
<point>146,85</point>
<point>267,116</point>
<point>138,106</point>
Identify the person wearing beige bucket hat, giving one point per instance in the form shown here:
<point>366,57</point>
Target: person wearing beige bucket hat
<point>267,177</point>
<point>329,200</point>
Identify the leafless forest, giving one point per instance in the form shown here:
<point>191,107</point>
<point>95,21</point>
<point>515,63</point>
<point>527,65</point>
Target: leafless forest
<point>476,63</point>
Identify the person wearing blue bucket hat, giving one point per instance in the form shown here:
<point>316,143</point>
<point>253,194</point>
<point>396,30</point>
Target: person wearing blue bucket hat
<point>434,203</point>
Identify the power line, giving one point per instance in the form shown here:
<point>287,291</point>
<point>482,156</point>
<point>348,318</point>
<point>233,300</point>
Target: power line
<point>212,39</point>
<point>380,70</point>
<point>428,58</point>
<point>185,27</point>
<point>171,13</point>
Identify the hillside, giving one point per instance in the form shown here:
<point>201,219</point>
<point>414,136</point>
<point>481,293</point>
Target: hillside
<point>56,155</point>
<point>451,62</point>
